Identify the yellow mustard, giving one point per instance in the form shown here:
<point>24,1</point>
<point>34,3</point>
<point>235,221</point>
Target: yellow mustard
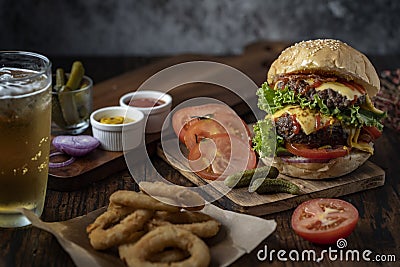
<point>115,120</point>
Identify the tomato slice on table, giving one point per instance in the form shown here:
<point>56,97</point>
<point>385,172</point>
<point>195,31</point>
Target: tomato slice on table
<point>324,220</point>
<point>201,129</point>
<point>183,128</point>
<point>185,117</point>
<point>221,155</point>
<point>317,153</point>
<point>223,123</point>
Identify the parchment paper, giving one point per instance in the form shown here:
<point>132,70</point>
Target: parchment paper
<point>240,234</point>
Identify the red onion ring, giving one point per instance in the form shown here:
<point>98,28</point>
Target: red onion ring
<point>303,160</point>
<point>60,164</point>
<point>75,146</point>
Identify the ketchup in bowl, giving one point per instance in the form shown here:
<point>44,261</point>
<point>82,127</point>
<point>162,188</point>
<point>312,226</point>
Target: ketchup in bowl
<point>155,105</point>
<point>146,102</point>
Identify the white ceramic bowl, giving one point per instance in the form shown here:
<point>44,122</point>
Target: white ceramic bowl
<point>118,137</point>
<point>154,116</point>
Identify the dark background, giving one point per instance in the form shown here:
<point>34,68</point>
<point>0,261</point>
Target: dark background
<point>168,27</point>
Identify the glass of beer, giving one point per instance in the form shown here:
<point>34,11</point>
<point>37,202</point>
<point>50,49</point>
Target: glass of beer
<point>25,121</point>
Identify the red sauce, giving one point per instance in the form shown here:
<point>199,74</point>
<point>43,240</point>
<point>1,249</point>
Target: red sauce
<point>296,125</point>
<point>146,102</point>
<point>317,122</point>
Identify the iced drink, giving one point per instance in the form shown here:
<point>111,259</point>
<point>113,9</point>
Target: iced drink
<point>25,119</point>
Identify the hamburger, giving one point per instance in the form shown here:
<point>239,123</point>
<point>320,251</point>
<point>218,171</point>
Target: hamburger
<point>318,99</point>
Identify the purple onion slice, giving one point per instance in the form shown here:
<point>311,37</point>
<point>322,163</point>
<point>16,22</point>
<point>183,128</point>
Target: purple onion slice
<point>75,145</point>
<point>60,164</point>
<point>303,160</point>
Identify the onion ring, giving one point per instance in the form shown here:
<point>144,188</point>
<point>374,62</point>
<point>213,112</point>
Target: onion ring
<point>181,196</point>
<point>60,164</point>
<point>198,223</point>
<point>101,237</point>
<point>162,237</point>
<point>170,255</point>
<point>167,255</point>
<point>140,201</point>
<point>113,214</point>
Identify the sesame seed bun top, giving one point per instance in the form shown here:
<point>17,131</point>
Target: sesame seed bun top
<point>326,57</point>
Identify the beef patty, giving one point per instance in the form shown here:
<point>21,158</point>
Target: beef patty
<point>332,135</point>
<point>331,98</point>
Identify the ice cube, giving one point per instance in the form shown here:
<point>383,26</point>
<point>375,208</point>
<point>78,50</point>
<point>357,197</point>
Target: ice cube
<point>5,74</point>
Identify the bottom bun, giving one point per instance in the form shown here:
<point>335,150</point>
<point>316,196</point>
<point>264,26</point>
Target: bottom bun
<point>334,168</point>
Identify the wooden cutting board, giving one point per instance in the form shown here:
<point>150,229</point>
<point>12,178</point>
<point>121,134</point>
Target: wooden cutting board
<point>100,164</point>
<point>367,176</point>
<point>93,167</point>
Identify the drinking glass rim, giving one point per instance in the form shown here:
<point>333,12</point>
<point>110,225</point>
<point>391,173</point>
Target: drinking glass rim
<point>43,70</point>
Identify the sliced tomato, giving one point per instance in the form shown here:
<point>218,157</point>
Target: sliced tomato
<point>221,155</point>
<point>185,127</point>
<point>324,220</point>
<point>201,129</point>
<point>372,131</point>
<point>185,117</point>
<point>317,153</point>
<point>220,123</point>
<point>182,118</point>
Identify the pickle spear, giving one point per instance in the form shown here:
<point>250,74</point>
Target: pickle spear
<point>69,109</point>
<point>56,112</point>
<point>60,79</point>
<point>243,178</point>
<point>66,96</point>
<point>76,75</point>
<point>267,185</point>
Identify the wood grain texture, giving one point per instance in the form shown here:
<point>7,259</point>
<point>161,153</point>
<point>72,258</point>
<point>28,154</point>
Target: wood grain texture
<point>366,177</point>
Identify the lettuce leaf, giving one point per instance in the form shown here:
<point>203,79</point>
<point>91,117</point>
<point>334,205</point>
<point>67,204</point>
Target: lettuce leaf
<point>265,138</point>
<point>271,100</point>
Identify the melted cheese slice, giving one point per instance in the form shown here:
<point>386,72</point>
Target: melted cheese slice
<point>305,117</point>
<point>350,94</point>
<point>307,120</point>
<point>340,88</point>
<point>353,141</point>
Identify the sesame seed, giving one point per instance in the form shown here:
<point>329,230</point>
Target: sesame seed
<point>314,46</point>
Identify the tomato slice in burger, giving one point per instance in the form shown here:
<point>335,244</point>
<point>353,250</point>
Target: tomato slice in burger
<point>324,220</point>
<point>221,155</point>
<point>372,131</point>
<point>317,153</point>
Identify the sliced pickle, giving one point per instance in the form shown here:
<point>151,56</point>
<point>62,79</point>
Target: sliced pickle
<point>76,75</point>
<point>69,109</point>
<point>56,112</point>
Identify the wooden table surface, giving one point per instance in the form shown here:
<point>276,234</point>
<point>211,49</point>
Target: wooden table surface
<point>378,229</point>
